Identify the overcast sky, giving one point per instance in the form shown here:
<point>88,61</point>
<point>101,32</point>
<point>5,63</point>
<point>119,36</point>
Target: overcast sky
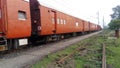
<point>85,9</point>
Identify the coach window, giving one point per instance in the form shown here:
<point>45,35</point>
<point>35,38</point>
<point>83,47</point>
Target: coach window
<point>53,20</point>
<point>64,21</point>
<point>61,21</point>
<point>77,24</point>
<point>0,14</point>
<point>58,20</point>
<point>22,15</point>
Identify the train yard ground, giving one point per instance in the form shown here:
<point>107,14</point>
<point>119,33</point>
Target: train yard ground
<point>95,50</point>
<point>99,51</point>
<point>26,57</point>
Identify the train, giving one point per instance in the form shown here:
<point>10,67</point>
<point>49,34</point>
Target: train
<point>23,22</point>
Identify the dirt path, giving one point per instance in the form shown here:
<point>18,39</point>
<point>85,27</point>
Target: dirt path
<point>35,54</point>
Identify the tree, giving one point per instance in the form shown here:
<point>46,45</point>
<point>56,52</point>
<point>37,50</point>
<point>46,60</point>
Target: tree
<point>115,22</point>
<point>115,25</point>
<point>116,14</point>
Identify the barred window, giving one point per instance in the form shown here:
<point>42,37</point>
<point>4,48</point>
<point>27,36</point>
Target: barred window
<point>22,15</point>
<point>53,20</point>
<point>77,24</point>
<point>64,21</point>
<point>61,21</point>
<point>0,14</point>
<point>58,21</point>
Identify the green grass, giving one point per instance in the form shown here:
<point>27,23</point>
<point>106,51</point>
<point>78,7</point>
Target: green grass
<point>113,50</point>
<point>79,61</point>
<point>56,56</point>
<point>113,53</point>
<point>91,59</point>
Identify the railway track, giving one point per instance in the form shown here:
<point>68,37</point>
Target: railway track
<point>103,56</point>
<point>70,55</point>
<point>81,48</point>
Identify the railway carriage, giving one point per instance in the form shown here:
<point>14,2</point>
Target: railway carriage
<point>86,26</point>
<point>93,27</point>
<point>24,22</point>
<point>15,23</point>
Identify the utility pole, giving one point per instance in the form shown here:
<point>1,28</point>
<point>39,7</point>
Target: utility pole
<point>103,22</point>
<point>98,17</point>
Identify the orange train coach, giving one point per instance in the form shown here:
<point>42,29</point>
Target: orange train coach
<point>23,22</point>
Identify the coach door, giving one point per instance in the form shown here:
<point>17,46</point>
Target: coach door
<point>54,20</point>
<point>3,21</point>
<point>35,17</point>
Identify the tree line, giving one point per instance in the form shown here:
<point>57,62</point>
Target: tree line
<point>115,22</point>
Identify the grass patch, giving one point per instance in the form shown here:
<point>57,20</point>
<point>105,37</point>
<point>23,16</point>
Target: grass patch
<point>93,57</point>
<point>56,56</point>
<point>113,53</point>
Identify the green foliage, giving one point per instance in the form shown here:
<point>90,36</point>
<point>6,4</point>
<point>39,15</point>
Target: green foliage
<point>116,14</point>
<point>114,24</point>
